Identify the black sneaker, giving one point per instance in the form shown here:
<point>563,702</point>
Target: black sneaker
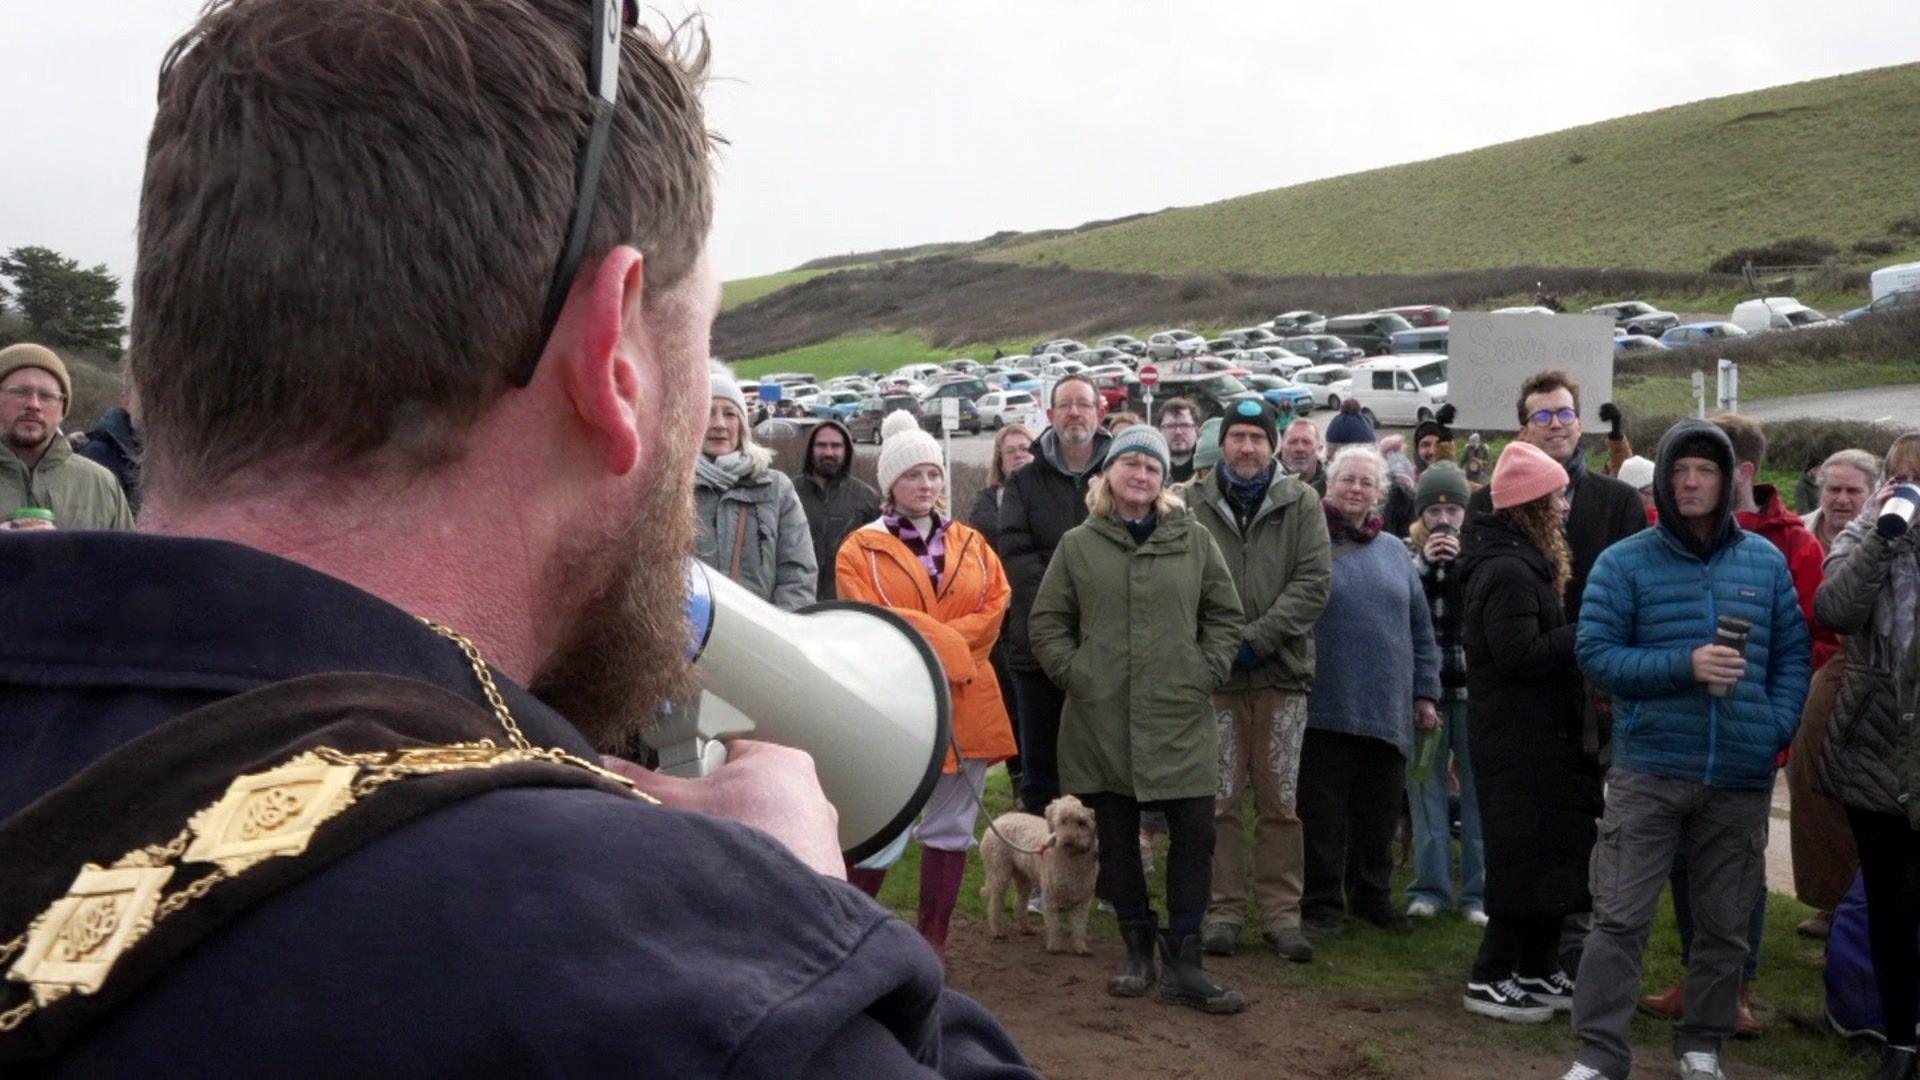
<point>1505,1001</point>
<point>1391,921</point>
<point>1316,927</point>
<point>1555,990</point>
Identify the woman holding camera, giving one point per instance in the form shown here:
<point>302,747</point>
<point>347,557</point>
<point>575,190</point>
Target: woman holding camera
<point>1871,761</point>
<point>1138,621</point>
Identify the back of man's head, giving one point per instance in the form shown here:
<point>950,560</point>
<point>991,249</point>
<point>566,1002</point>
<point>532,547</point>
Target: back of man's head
<point>1749,439</point>
<point>351,214</point>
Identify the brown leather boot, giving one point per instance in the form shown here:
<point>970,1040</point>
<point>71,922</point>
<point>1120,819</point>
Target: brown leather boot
<point>1748,1025</point>
<point>1667,1006</point>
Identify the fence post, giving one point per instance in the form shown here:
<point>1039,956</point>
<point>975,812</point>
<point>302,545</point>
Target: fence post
<point>1700,395</point>
<point>1729,386</point>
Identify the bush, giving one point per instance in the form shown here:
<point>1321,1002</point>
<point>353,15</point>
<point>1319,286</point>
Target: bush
<point>1905,226</point>
<point>1876,246</point>
<point>1202,286</point>
<point>1795,251</point>
<point>1790,443</point>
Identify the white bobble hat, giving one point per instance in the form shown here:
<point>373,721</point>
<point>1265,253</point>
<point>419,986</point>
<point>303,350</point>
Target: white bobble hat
<point>904,446</point>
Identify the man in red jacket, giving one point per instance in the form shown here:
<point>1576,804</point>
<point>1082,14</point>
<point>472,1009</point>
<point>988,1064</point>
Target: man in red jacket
<point>1758,508</point>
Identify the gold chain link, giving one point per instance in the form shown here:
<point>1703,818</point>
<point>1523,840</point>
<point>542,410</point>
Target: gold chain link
<point>17,1015</point>
<point>487,685</point>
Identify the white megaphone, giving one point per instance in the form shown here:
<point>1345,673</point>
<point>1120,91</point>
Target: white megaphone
<point>852,684</point>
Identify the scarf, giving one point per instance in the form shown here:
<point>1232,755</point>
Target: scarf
<point>1245,496</point>
<point>930,550</point>
<point>1141,530</point>
<point>1341,532</point>
<point>724,472</point>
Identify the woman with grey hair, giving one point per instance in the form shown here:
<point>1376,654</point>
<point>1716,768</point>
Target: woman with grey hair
<point>1376,678</point>
<point>751,525</point>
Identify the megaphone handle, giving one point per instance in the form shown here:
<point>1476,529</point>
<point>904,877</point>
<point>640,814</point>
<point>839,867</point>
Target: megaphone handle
<point>693,758</point>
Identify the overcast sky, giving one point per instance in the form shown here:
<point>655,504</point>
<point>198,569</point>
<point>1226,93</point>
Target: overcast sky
<point>858,124</point>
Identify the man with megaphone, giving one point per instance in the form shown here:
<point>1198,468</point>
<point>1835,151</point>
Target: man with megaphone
<point>277,802</point>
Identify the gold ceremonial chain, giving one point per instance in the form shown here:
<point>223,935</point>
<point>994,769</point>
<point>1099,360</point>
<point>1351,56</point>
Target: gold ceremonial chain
<point>72,945</point>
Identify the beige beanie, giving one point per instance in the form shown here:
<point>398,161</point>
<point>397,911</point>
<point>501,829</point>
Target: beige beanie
<point>904,447</point>
<point>24,355</point>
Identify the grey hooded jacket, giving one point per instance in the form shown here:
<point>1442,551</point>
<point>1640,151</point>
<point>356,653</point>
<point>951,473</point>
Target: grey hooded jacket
<point>760,518</point>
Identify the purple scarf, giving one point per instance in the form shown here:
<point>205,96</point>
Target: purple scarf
<point>930,550</point>
<point>1340,531</point>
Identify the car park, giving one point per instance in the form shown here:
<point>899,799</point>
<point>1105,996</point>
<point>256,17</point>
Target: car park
<point>835,404</point>
<point>1058,345</point>
<point>1625,344</point>
<point>1105,355</point>
<point>1168,344</point>
<point>1401,390</point>
<point>1637,317</point>
<point>1126,343</point>
<point>1062,368</point>
<point>1370,332</point>
<point>999,408</point>
<point>1904,301</point>
<point>1212,392</point>
<point>1276,390</point>
<point>1772,313</point>
<point>965,365</point>
<point>1252,337</point>
<point>1699,333</point>
<point>920,373</point>
<point>787,378</point>
<point>1221,346</point>
<point>1302,321</point>
<point>1428,339</point>
<point>1421,316</point>
<point>864,424</point>
<point>1271,360</point>
<point>1321,349</point>
<point>1329,382</point>
<point>1202,365</point>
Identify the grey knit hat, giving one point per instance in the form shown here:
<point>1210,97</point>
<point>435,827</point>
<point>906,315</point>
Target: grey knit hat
<point>1138,439</point>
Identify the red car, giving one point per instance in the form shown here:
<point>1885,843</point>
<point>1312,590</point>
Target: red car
<point>1422,315</point>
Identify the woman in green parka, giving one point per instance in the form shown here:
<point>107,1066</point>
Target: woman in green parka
<point>1138,621</point>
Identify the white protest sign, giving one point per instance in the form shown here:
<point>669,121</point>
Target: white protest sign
<point>1489,356</point>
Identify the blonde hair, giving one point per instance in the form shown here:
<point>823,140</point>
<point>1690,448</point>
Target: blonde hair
<point>997,473</point>
<point>1101,503</point>
<point>1902,457</point>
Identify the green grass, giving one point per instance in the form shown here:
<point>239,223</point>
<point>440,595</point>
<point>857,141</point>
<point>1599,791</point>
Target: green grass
<point>743,290</point>
<point>1836,158</point>
<point>879,352</point>
<point>1658,395</point>
<point>1362,965</point>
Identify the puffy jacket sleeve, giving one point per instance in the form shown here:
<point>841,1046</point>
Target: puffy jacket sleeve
<point>1018,548</point>
<point>1789,659</point>
<point>798,573</point>
<point>1053,628</point>
<point>1220,615</point>
<point>985,515</point>
<point>1604,644</point>
<point>1426,651</point>
<point>1309,583</point>
<point>1855,578</point>
<point>1508,610</point>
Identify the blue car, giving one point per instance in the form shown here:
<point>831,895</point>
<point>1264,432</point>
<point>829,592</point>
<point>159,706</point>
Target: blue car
<point>1700,333</point>
<point>837,405</point>
<point>1905,300</point>
<point>1277,391</point>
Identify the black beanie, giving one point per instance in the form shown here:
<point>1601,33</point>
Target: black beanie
<point>1251,413</point>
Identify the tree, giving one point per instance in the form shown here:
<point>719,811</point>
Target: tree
<point>65,305</point>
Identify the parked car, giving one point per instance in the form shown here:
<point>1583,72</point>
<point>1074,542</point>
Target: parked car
<point>1221,346</point>
<point>1064,367</point>
<point>1117,388</point>
<point>788,378</point>
<point>1212,392</point>
<point>1271,360</point>
<point>1105,355</point>
<point>1321,349</point>
<point>965,365</point>
<point>1777,313</point>
<point>851,382</point>
<point>1401,390</point>
<point>966,387</point>
<point>1637,317</point>
<point>1429,339</point>
<point>1699,333</point>
<point>999,408</point>
<point>1905,301</point>
<point>1203,365</point>
<point>1523,309</point>
<point>864,424</point>
<point>1252,337</point>
<point>1276,390</point>
<point>1303,322</point>
<point>835,404</point>
<point>1421,316</point>
<point>1370,332</point>
<point>1168,344</point>
<point>919,373</point>
<point>1330,383</point>
<point>1058,345</point>
<point>1636,343</point>
<point>1126,343</point>
<point>932,408</point>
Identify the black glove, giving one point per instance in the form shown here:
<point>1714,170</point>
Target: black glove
<point>1611,414</point>
<point>1445,416</point>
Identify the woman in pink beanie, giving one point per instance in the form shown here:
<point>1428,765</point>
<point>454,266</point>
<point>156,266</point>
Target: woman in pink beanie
<point>1539,794</point>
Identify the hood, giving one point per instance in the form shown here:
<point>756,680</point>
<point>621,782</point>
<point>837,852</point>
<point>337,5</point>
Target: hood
<point>116,426</point>
<point>846,465</point>
<point>1694,438</point>
<point>1488,535</point>
<point>1049,451</point>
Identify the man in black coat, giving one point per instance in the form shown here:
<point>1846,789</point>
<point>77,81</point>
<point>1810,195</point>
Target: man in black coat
<point>115,444</point>
<point>1603,510</point>
<point>1043,500</point>
<point>836,501</point>
<point>518,469</point>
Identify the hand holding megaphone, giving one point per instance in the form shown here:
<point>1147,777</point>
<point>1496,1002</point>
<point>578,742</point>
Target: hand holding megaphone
<point>772,788</point>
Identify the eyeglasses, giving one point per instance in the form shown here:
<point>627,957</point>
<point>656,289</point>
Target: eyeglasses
<point>610,19</point>
<point>1178,427</point>
<point>24,394</point>
<point>1548,416</point>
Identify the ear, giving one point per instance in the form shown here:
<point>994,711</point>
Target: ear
<point>594,361</point>
<point>1746,471</point>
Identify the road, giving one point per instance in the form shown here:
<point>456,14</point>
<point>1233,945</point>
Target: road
<point>1892,404</point>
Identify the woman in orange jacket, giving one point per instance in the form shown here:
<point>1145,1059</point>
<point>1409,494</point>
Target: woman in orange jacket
<point>945,579</point>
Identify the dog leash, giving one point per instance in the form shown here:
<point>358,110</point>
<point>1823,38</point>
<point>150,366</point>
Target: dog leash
<point>982,806</point>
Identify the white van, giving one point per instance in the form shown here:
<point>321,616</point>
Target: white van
<point>1401,390</point>
<point>1895,278</point>
<point>1776,313</point>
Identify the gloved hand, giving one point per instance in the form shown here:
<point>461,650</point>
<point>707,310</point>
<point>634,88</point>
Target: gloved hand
<point>1610,413</point>
<point>1246,659</point>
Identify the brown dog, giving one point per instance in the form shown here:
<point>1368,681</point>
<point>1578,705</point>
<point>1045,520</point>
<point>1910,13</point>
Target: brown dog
<point>1062,859</point>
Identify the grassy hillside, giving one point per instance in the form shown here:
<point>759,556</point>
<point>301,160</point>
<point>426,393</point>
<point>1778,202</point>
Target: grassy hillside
<point>746,290</point>
<point>1672,189</point>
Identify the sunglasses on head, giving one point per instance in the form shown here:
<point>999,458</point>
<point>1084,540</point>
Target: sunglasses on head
<point>610,19</point>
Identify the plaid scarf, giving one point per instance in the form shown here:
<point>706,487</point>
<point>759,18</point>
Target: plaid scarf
<point>930,550</point>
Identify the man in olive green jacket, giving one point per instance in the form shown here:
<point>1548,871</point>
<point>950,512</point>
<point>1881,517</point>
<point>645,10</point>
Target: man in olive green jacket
<point>38,468</point>
<point>1273,534</point>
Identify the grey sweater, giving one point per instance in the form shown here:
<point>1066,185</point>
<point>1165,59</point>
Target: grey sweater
<point>1374,646</point>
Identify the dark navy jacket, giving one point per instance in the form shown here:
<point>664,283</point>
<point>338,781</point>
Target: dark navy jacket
<point>521,932</point>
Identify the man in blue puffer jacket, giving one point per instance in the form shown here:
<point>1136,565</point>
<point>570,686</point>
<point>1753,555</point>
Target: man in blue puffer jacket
<point>1697,727</point>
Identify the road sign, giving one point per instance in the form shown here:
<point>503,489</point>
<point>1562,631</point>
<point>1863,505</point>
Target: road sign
<point>1149,375</point>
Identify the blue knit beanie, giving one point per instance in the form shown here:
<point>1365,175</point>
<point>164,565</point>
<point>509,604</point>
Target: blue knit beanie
<point>1350,427</point>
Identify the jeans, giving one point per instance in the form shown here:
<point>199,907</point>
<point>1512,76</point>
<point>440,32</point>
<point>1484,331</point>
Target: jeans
<point>1648,818</point>
<point>1260,735</point>
<point>1432,824</point>
<point>1040,705</point>
<point>1683,916</point>
<point>1350,789</point>
<point>1890,863</point>
<point>1122,881</point>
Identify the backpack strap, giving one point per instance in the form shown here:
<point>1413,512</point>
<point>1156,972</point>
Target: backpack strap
<point>161,843</point>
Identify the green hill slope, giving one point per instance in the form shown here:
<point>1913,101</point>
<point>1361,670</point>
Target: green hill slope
<point>1672,189</point>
